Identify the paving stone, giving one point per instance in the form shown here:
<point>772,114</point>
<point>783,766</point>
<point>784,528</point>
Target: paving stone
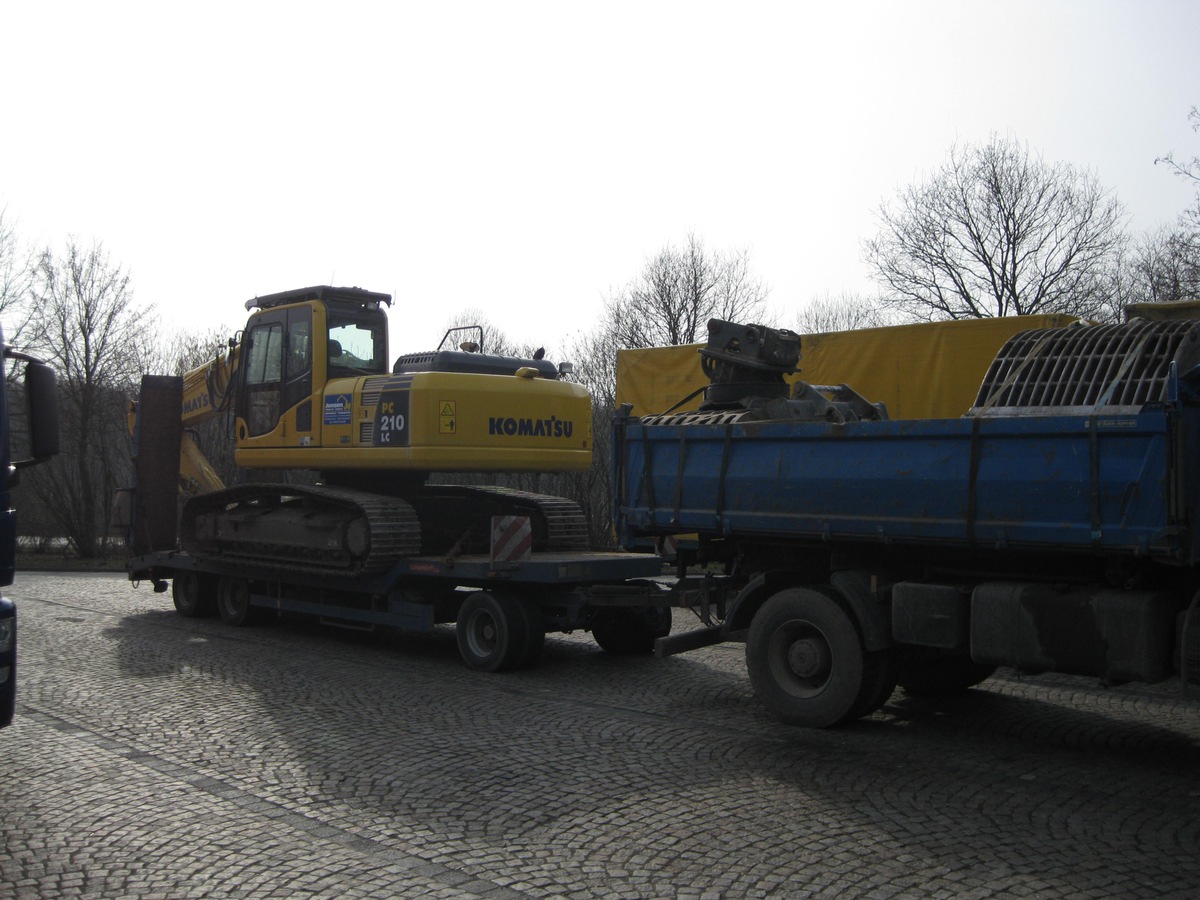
<point>155,756</point>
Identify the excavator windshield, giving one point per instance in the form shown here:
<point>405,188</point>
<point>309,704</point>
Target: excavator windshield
<point>357,342</point>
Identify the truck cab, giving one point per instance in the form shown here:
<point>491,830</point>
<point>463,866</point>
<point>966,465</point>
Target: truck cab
<point>42,400</point>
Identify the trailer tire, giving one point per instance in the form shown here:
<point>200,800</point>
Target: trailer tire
<point>194,594</point>
<point>806,659</point>
<point>493,633</point>
<point>233,602</point>
<point>535,633</point>
<point>624,631</point>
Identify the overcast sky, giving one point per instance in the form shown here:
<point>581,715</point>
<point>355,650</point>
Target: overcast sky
<point>525,159</point>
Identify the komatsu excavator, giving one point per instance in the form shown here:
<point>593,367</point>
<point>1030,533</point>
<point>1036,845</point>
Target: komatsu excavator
<point>309,386</point>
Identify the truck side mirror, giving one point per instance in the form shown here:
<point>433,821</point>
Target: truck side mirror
<point>41,395</point>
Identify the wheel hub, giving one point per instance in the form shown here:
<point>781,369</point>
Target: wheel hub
<point>808,657</point>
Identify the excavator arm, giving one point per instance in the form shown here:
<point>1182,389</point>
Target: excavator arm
<point>207,391</point>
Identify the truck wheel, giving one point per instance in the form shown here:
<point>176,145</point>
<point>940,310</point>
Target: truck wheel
<point>195,595</point>
<point>806,660</point>
<point>879,681</point>
<point>624,631</point>
<point>493,633</point>
<point>233,602</point>
<point>941,676</point>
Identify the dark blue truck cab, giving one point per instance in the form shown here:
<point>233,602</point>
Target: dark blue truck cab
<point>41,397</point>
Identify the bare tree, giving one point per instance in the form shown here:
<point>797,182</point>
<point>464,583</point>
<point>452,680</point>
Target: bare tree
<point>668,303</point>
<point>1173,272</point>
<point>95,337</point>
<point>1189,169</point>
<point>1163,266</point>
<point>997,232</point>
<point>17,264</point>
<point>844,312</point>
<point>678,291</point>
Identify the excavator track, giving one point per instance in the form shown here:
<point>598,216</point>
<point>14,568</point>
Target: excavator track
<point>318,530</point>
<point>458,517</point>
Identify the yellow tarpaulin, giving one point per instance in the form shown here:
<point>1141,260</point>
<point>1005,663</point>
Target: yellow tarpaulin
<point>924,371</point>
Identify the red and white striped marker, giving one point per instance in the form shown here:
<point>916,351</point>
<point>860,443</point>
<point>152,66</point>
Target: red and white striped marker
<point>512,539</point>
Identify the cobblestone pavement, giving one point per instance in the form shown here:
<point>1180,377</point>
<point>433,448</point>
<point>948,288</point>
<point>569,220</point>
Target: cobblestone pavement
<point>155,756</point>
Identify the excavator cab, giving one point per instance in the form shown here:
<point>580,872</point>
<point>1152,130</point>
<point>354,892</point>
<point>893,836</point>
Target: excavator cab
<point>294,344</point>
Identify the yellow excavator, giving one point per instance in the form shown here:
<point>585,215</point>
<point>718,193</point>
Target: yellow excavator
<point>309,385</point>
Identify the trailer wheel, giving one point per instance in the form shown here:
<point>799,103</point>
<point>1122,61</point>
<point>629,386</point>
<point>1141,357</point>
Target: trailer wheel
<point>233,602</point>
<point>493,632</point>
<point>195,595</point>
<point>535,633</point>
<point>624,631</point>
<point>806,660</point>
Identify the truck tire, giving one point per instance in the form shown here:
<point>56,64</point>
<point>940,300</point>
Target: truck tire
<point>195,595</point>
<point>806,659</point>
<point>233,602</point>
<point>493,632</point>
<point>879,681</point>
<point>624,631</point>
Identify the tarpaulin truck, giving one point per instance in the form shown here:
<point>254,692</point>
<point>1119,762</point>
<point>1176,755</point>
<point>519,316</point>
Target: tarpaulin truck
<point>1052,526</point>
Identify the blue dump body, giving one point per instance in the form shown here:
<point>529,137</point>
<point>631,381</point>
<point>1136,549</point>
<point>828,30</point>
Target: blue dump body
<point>1102,483</point>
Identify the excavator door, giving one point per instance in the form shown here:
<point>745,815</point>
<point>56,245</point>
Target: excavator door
<point>277,380</point>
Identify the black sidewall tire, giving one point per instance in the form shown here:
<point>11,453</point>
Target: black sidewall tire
<point>879,682</point>
<point>233,602</point>
<point>822,701</point>
<point>194,594</point>
<point>491,632</point>
<point>535,632</point>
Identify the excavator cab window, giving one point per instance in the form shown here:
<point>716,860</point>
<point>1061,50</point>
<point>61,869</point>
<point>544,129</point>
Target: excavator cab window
<point>357,345</point>
<point>264,376</point>
<point>299,348</point>
<point>297,385</point>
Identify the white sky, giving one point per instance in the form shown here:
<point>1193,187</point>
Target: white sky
<point>525,159</point>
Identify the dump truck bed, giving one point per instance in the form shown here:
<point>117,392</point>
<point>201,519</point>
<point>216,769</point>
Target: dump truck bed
<point>1110,483</point>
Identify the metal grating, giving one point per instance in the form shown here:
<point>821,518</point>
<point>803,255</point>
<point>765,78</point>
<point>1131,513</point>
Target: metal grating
<point>1088,367</point>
